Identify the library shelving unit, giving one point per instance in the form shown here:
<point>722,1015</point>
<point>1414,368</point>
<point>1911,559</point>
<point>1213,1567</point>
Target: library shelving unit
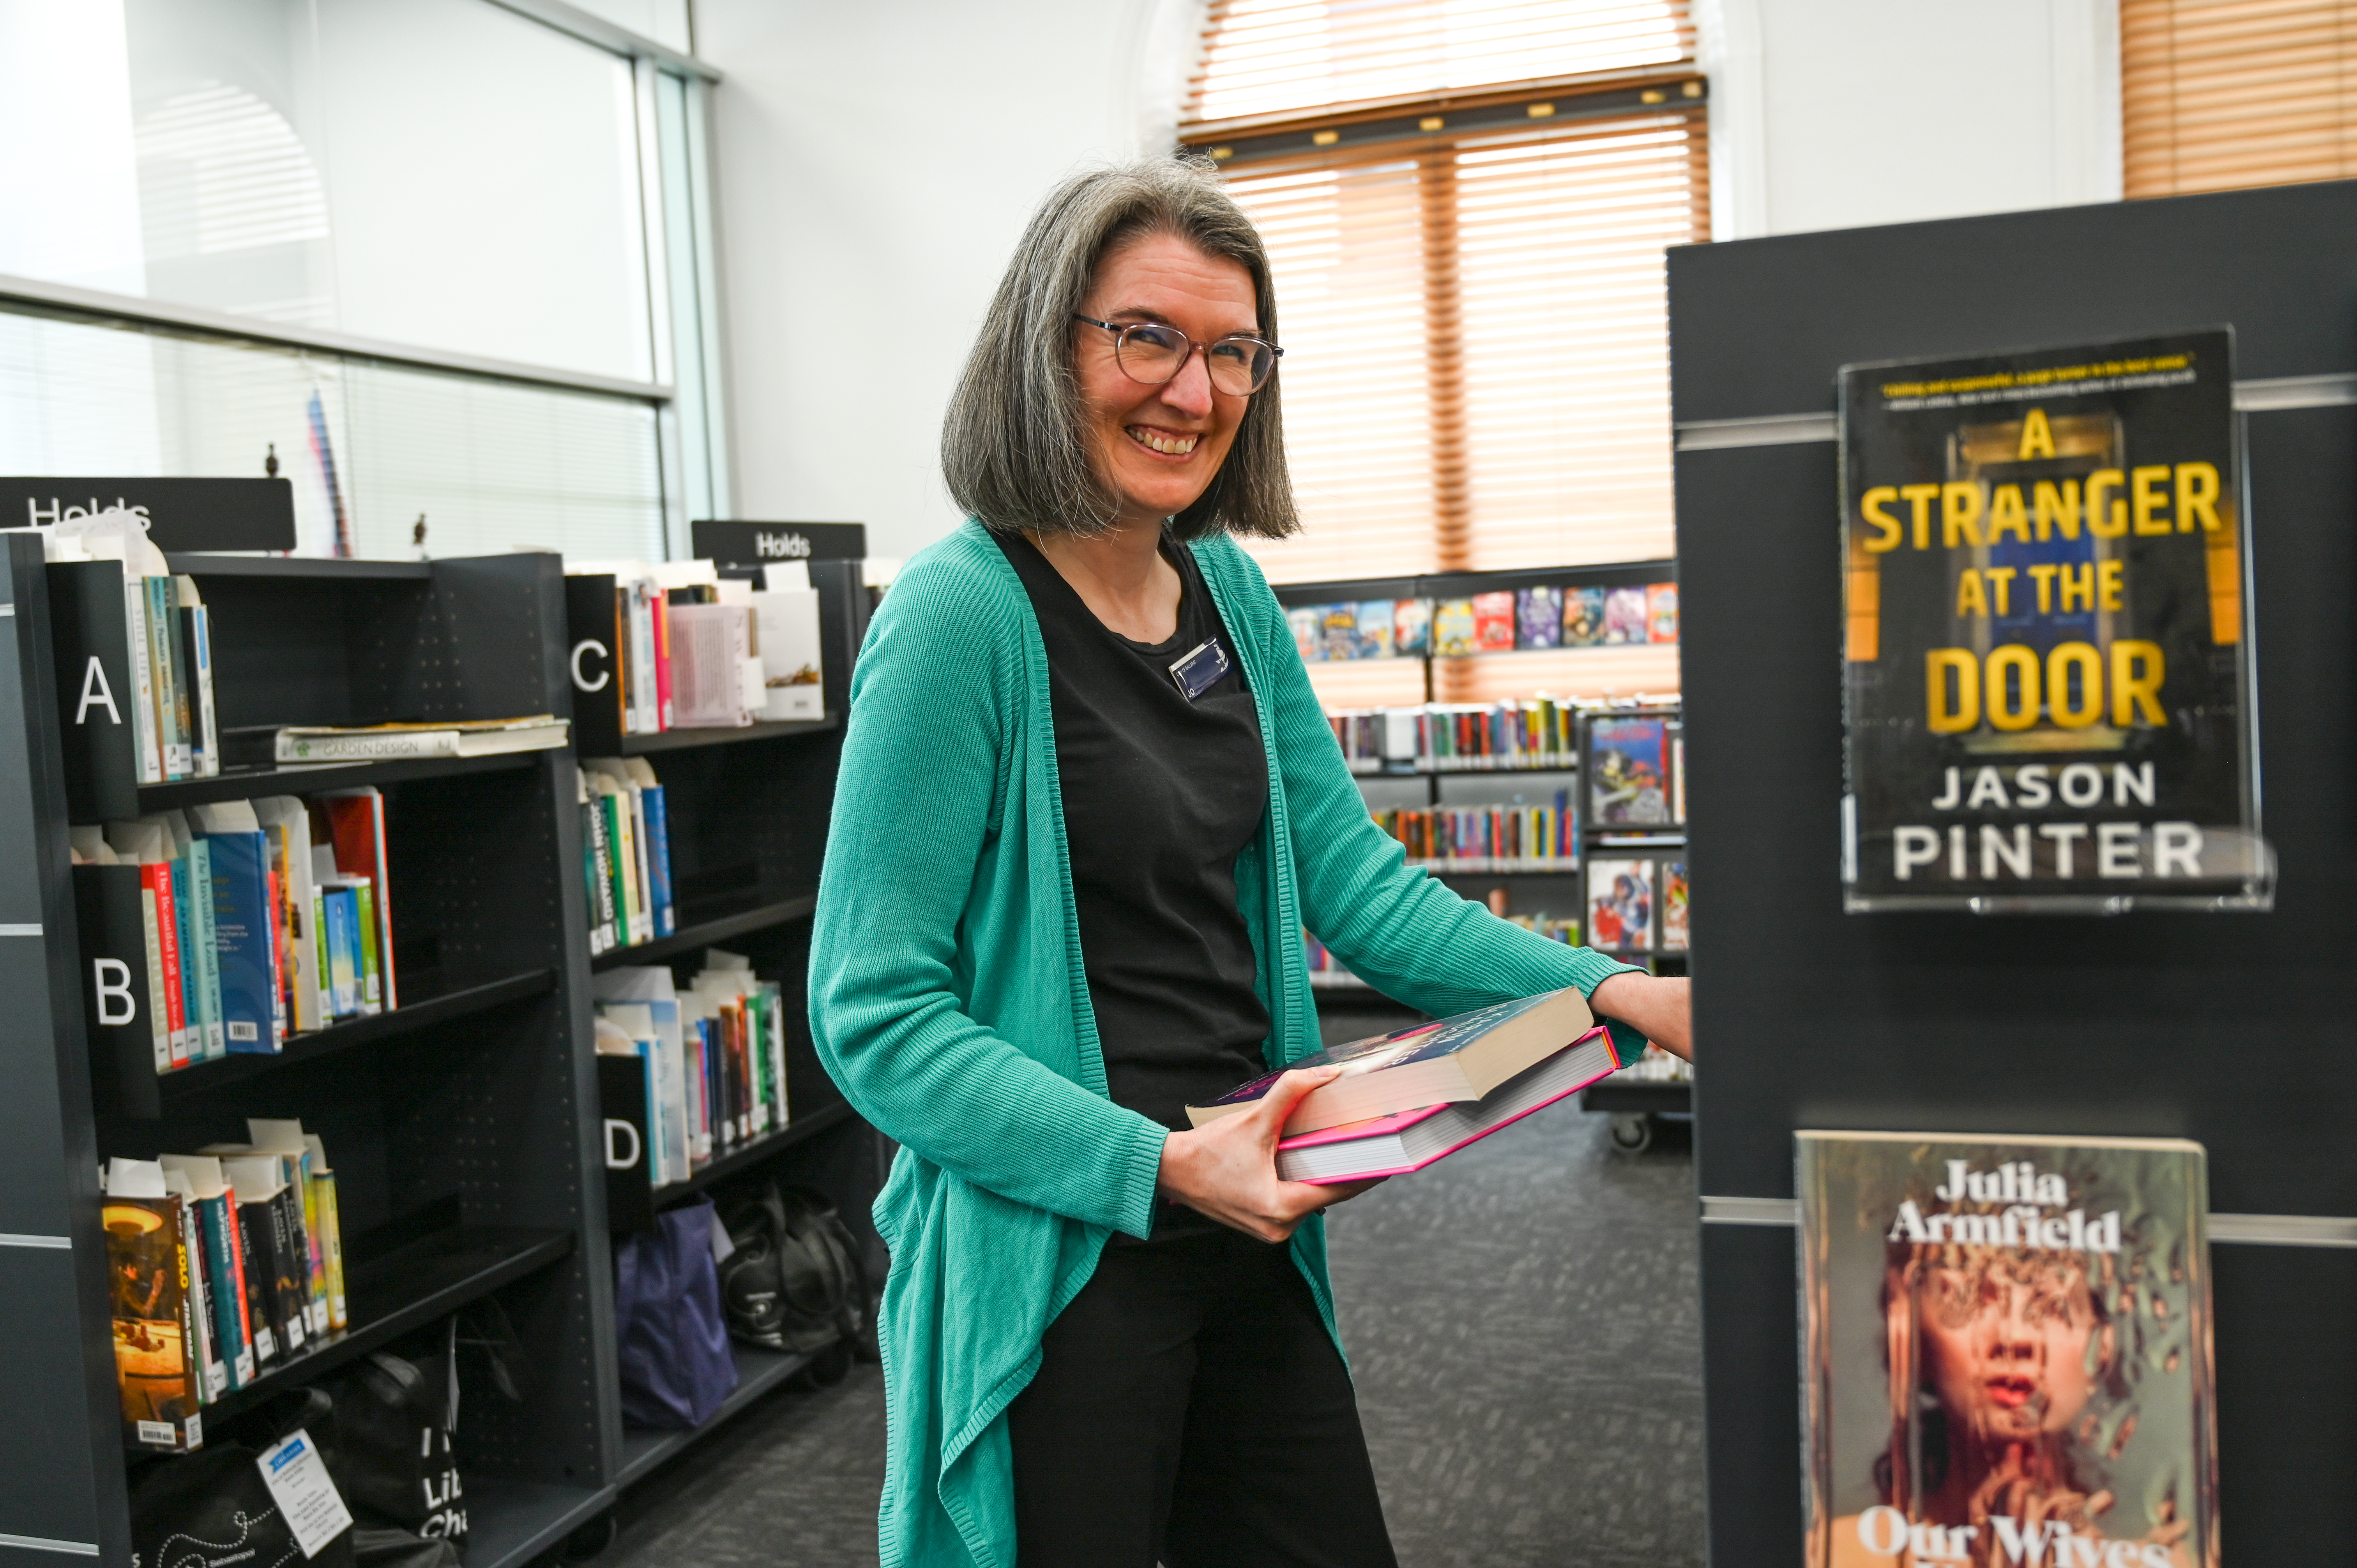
<point>464,1123</point>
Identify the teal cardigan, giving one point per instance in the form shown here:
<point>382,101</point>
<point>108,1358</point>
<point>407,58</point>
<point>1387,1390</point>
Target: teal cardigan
<point>949,1001</point>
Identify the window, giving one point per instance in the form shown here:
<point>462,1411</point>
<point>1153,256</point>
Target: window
<point>2224,94</point>
<point>1466,205</point>
<point>465,239</point>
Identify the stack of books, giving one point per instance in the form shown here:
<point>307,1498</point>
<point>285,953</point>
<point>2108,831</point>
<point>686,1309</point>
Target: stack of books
<point>142,639</point>
<point>272,745</point>
<point>227,1263</point>
<point>1410,1098</point>
<point>226,927</point>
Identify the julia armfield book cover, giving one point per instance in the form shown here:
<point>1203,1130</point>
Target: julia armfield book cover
<point>2005,1352</point>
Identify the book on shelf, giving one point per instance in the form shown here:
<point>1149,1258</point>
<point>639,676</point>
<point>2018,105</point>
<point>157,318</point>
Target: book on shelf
<point>1627,770</point>
<point>1583,617</point>
<point>1458,1058</point>
<point>264,746</point>
<point>625,853</point>
<point>214,1203</point>
<point>1538,614</point>
<point>1660,612</point>
<point>1624,616</point>
<point>157,1373</point>
<point>1453,628</point>
<point>1493,622</point>
<point>641,1005</point>
<point>1674,896</point>
<point>1620,903</point>
<point>1410,1140</point>
<point>786,627</point>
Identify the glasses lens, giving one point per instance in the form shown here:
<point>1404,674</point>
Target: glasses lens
<point>1239,365</point>
<point>1151,354</point>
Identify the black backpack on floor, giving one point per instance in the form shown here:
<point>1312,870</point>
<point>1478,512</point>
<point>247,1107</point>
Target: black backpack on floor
<point>792,1282</point>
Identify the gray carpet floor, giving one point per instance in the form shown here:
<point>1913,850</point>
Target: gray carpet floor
<point>1523,1324</point>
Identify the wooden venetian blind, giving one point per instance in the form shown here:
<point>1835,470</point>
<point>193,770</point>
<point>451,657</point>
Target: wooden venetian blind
<point>2223,94</point>
<point>1263,58</point>
<point>1476,364</point>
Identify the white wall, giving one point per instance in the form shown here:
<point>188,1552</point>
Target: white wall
<point>1837,114</point>
<point>876,162</point>
<point>874,165</point>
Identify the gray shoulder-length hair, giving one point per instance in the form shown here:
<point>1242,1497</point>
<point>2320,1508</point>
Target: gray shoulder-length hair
<point>1014,445</point>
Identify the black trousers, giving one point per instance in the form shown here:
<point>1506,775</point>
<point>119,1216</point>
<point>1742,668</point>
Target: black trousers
<point>1189,1409</point>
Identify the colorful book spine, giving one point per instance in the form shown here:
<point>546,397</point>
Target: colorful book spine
<point>658,848</point>
<point>225,1287</point>
<point>245,942</point>
<point>160,1383</point>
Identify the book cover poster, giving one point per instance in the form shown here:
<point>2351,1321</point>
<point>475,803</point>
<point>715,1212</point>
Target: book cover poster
<point>1621,905</point>
<point>1583,617</point>
<point>1374,632</point>
<point>2046,636</point>
<point>1541,614</point>
<point>1412,627</point>
<point>1660,612</point>
<point>1452,628</point>
<point>2005,1352</point>
<point>1627,779</point>
<point>1624,616</point>
<point>1493,622</point>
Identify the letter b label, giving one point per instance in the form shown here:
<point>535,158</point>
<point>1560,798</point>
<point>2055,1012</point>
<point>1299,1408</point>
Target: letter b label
<point>112,978</point>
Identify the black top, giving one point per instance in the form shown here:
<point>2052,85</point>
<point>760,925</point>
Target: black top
<point>1159,794</point>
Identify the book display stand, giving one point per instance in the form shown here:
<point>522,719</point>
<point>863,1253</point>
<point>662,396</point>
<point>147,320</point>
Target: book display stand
<point>465,1121</point>
<point>2228,1029</point>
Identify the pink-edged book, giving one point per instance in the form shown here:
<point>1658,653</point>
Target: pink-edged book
<point>1410,1140</point>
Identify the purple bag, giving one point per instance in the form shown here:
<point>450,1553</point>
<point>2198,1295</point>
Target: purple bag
<point>672,1339</point>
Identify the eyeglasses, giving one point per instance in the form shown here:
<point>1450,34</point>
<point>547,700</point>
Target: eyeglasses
<point>1152,353</point>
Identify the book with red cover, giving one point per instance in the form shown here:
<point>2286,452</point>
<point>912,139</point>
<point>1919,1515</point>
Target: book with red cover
<point>1459,1059</point>
<point>1410,1140</point>
<point>1493,622</point>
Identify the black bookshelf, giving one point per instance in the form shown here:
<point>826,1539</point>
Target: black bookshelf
<point>464,1125</point>
<point>758,1152</point>
<point>704,932</point>
<point>682,739</point>
<point>758,1372</point>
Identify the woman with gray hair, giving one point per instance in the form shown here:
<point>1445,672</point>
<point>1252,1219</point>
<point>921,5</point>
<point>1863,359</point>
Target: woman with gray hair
<point>1088,803</point>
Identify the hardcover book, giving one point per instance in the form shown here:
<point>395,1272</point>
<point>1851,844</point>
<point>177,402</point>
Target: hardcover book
<point>1457,1059</point>
<point>1624,616</point>
<point>1540,611</point>
<point>2006,1351</point>
<point>1621,905</point>
<point>1412,627</point>
<point>1583,617</point>
<point>155,1337</point>
<point>1453,628</point>
<point>1493,622</point>
<point>1627,783</point>
<point>1411,1139</point>
<point>1661,612</point>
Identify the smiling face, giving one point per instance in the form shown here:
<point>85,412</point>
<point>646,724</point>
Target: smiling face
<point>1161,447</point>
<point>2007,1346</point>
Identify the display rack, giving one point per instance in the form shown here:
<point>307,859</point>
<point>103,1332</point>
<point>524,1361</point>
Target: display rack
<point>464,1123</point>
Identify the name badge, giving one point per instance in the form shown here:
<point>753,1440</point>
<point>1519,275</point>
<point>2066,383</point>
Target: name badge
<point>1198,672</point>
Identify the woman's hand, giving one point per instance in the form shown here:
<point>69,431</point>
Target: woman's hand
<point>1228,1170</point>
<point>1662,1008</point>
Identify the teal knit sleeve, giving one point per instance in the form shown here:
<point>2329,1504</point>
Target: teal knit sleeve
<point>1390,923</point>
<point>915,804</point>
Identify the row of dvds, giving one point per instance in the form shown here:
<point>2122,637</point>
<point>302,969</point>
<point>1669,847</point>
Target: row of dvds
<point>712,1055</point>
<point>672,645</point>
<point>1501,622</point>
<point>1488,838</point>
<point>1460,738</point>
<point>119,607</point>
<point>625,852</point>
<point>226,927</point>
<point>225,1264</point>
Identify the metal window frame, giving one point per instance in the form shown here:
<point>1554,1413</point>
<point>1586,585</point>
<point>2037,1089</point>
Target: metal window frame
<point>664,273</point>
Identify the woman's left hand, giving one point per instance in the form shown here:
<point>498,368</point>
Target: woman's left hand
<point>1661,1007</point>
